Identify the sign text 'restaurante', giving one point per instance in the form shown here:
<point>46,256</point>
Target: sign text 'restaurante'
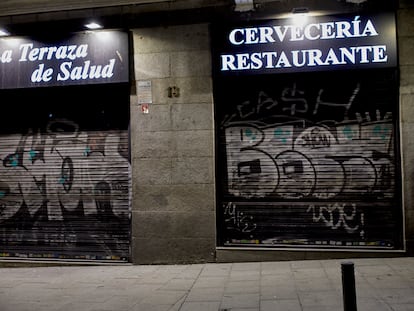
<point>315,44</point>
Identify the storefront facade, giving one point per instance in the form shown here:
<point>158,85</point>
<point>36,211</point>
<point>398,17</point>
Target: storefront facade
<point>210,140</point>
<point>64,144</point>
<point>308,133</point>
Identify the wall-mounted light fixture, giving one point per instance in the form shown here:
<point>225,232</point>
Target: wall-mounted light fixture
<point>244,5</point>
<point>4,33</point>
<point>300,10</point>
<point>300,15</point>
<point>356,1</point>
<point>93,26</point>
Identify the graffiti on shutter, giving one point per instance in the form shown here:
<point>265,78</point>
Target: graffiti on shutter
<point>309,160</point>
<point>66,193</point>
<point>64,183</point>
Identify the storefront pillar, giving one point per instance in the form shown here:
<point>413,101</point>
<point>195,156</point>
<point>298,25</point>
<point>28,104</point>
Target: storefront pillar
<point>173,206</point>
<point>405,23</point>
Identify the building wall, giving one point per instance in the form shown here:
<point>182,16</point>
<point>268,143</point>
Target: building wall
<point>172,148</point>
<point>405,24</point>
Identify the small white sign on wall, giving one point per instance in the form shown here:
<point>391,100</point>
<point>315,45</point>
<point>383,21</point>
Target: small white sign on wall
<point>144,92</point>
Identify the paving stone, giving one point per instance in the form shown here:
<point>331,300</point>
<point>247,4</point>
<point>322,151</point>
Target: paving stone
<point>313,284</point>
<point>242,287</point>
<point>270,293</point>
<point>372,304</point>
<point>381,285</point>
<point>164,297</point>
<point>280,304</point>
<point>321,298</point>
<point>151,307</point>
<point>205,294</point>
<point>178,284</point>
<point>402,307</point>
<point>208,282</point>
<point>245,275</point>
<point>231,301</point>
<point>200,306</point>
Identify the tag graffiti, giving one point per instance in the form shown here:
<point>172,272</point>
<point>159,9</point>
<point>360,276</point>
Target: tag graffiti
<point>339,216</point>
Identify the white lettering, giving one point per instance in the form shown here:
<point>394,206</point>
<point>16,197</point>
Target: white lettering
<point>242,60</point>
<point>64,73</point>
<point>86,72</point>
<point>313,31</point>
<point>6,56</point>
<point>24,50</point>
<point>363,50</point>
<point>314,58</point>
<point>33,54</point>
<point>355,25</point>
<point>82,51</point>
<point>251,36</point>
<point>227,62</point>
<point>296,33</point>
<point>95,72</point>
<point>76,73</point>
<point>256,60</point>
<point>232,36</point>
<point>269,58</point>
<point>327,31</point>
<point>342,30</point>
<point>283,61</point>
<point>71,52</point>
<point>42,52</point>
<point>331,58</point>
<point>348,54</point>
<point>379,54</point>
<point>61,52</point>
<point>296,58</point>
<point>280,34</point>
<point>266,35</point>
<point>308,33</point>
<point>369,30</point>
<point>108,70</point>
<point>42,75</point>
<point>51,51</point>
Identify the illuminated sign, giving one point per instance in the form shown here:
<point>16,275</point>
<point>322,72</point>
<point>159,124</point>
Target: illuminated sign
<point>314,43</point>
<point>84,58</point>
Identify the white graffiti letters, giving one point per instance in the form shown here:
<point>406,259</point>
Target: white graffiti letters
<point>237,219</point>
<point>335,216</point>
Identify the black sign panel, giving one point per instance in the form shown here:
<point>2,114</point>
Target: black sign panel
<point>306,43</point>
<point>83,58</point>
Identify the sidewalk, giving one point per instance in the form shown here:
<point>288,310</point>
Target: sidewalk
<point>381,284</point>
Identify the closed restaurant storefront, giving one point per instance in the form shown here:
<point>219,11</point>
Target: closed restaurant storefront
<point>307,130</point>
<point>64,151</point>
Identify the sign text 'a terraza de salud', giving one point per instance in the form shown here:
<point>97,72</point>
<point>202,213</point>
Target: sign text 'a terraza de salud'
<point>320,43</point>
<point>66,69</point>
<point>87,58</point>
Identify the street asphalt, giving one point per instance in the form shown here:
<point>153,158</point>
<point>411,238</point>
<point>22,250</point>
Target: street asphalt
<point>385,284</point>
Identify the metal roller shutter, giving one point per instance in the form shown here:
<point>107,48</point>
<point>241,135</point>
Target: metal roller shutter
<point>309,160</point>
<point>64,192</point>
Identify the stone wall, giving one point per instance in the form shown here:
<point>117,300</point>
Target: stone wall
<point>405,24</point>
<point>172,148</point>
